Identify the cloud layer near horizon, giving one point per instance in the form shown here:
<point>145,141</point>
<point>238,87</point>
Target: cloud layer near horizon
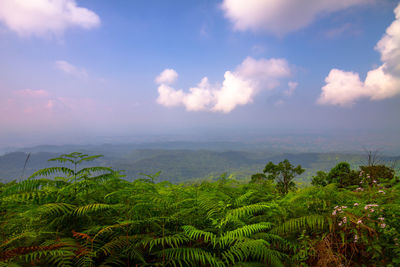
<point>238,88</point>
<point>41,109</point>
<point>280,16</point>
<point>42,17</point>
<point>343,88</point>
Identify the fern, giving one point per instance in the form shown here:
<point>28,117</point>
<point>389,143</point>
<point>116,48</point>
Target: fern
<point>195,234</point>
<point>245,231</point>
<point>313,222</point>
<point>190,257</point>
<point>173,241</point>
<point>52,171</point>
<point>55,209</point>
<point>92,208</point>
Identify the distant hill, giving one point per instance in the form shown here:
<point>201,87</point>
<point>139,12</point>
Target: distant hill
<point>177,165</point>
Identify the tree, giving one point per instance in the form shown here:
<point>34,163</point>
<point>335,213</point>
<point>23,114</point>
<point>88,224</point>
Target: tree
<point>258,178</point>
<point>319,179</point>
<point>379,173</point>
<point>343,175</point>
<point>283,174</point>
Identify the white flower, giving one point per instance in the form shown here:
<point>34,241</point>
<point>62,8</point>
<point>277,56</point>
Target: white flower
<point>359,221</point>
<point>383,225</point>
<point>381,218</point>
<point>355,204</point>
<point>334,213</point>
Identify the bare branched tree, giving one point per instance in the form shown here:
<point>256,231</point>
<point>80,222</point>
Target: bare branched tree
<point>373,157</point>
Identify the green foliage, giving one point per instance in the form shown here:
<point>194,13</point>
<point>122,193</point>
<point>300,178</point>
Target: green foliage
<point>343,175</point>
<point>379,173</point>
<point>92,217</point>
<point>258,178</point>
<point>284,173</point>
<point>319,179</point>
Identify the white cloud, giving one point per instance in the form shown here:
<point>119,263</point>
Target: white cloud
<point>168,96</point>
<point>389,45</point>
<point>344,88</point>
<point>168,76</point>
<point>70,69</point>
<point>341,88</point>
<point>238,88</point>
<point>280,16</point>
<point>292,87</point>
<point>235,91</point>
<point>42,17</point>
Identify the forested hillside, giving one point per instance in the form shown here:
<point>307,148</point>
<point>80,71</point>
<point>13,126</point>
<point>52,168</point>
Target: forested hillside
<point>93,216</point>
<point>178,165</point>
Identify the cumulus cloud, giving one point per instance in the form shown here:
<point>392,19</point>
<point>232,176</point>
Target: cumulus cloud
<point>41,17</point>
<point>168,76</point>
<point>344,88</point>
<point>238,87</point>
<point>280,16</point>
<point>70,69</point>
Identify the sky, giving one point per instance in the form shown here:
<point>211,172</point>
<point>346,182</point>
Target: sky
<point>74,70</point>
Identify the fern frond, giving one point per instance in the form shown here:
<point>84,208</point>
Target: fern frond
<point>25,186</point>
<point>233,215</point>
<point>90,170</point>
<point>240,200</point>
<point>51,171</point>
<point>190,257</point>
<point>253,249</point>
<point>173,241</point>
<point>195,234</point>
<point>96,207</point>
<point>245,231</point>
<point>90,158</point>
<point>313,222</point>
<point>118,243</point>
<point>17,237</point>
<point>55,209</point>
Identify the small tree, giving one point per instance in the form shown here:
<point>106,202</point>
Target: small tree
<point>319,179</point>
<point>283,174</point>
<point>379,173</point>
<point>258,178</point>
<point>343,175</point>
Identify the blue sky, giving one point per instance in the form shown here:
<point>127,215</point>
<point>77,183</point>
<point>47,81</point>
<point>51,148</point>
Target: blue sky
<point>108,68</point>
